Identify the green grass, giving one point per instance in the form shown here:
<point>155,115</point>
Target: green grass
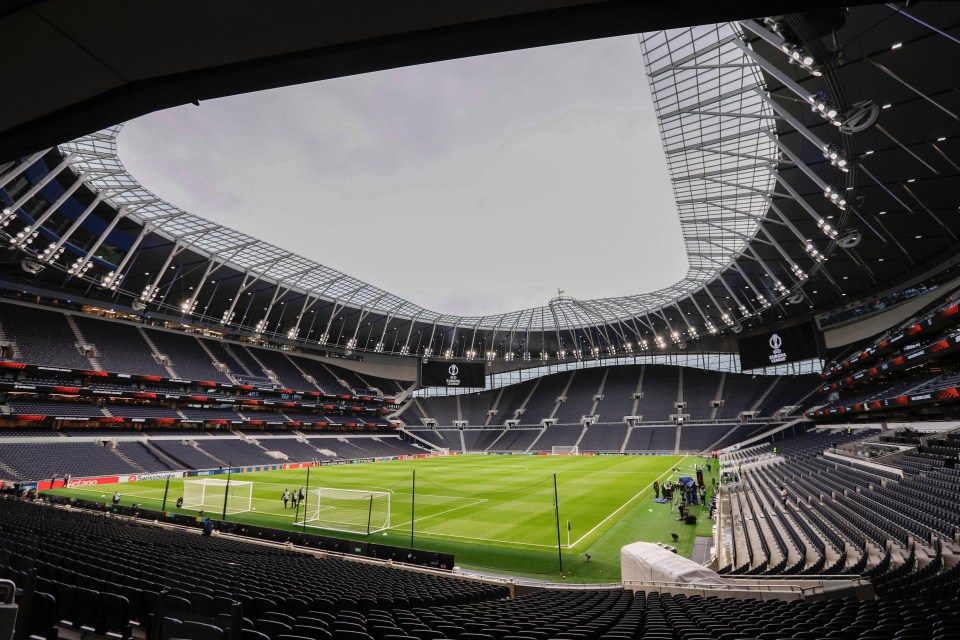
<point>494,513</point>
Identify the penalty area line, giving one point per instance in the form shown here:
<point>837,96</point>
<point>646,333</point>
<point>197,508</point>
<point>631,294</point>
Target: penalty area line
<point>440,513</point>
<point>624,505</point>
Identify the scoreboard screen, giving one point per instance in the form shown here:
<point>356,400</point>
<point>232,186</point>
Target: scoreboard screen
<point>791,344</point>
<point>453,374</point>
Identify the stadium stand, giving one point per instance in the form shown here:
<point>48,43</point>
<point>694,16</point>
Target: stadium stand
<point>559,435</point>
<point>35,461</point>
<point>42,337</point>
<point>579,398</point>
<point>129,410</point>
<point>661,386</point>
<point>235,451</point>
<point>740,393</point>
<point>699,390</point>
<point>119,566</point>
<point>325,379</point>
<point>120,347</point>
<point>516,439</point>
<point>146,457</point>
<point>474,407</point>
<point>841,515</point>
<point>187,357</point>
<point>286,371</point>
<point>618,391</point>
<point>512,399</point>
<point>187,455</point>
<point>21,406</point>
<point>604,437</point>
<point>220,353</point>
<point>441,409</point>
<point>544,400</point>
<point>476,439</point>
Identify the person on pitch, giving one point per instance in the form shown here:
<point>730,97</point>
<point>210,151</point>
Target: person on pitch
<point>656,489</point>
<point>285,497</point>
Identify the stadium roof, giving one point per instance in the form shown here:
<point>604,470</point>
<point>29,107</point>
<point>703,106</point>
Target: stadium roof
<point>704,201</point>
<point>812,159</point>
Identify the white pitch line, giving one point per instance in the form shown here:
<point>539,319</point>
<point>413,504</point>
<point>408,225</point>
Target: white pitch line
<point>440,513</point>
<point>509,542</point>
<point>621,507</point>
<point>110,494</point>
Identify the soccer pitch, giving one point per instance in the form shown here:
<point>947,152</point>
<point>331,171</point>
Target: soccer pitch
<point>494,513</point>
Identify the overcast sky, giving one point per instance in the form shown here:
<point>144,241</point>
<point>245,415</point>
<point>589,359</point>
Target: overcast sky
<point>470,187</point>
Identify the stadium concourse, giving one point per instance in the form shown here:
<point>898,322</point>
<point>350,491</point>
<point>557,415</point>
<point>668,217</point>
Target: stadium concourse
<point>167,383</point>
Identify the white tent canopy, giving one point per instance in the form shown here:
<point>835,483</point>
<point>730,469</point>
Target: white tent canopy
<point>648,562</point>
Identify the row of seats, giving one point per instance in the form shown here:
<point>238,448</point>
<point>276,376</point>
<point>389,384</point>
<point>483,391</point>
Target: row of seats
<point>104,574</point>
<point>44,460</point>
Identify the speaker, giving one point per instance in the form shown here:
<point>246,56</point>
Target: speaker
<point>691,519</point>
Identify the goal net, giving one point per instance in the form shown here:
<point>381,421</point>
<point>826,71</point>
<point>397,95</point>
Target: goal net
<point>565,450</point>
<point>350,510</point>
<point>209,493</point>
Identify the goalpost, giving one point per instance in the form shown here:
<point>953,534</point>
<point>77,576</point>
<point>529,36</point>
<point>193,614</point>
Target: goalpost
<point>565,450</point>
<point>350,510</point>
<point>208,493</point>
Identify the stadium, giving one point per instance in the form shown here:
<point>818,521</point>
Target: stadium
<point>263,427</point>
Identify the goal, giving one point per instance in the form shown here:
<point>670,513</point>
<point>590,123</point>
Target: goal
<point>564,450</point>
<point>349,510</point>
<point>208,494</point>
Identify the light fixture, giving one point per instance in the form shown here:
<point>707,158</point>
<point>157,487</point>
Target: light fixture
<point>801,58</point>
<point>448,353</point>
<point>405,350</point>
<point>836,156</point>
<point>227,317</point>
<point>836,197</point>
<point>896,45</point>
<point>294,331</point>
<point>814,253</point>
<point>188,306</point>
<point>826,109</point>
<point>149,293</point>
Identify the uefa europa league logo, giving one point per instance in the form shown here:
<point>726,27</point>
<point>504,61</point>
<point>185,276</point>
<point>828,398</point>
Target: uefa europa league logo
<point>776,342</point>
